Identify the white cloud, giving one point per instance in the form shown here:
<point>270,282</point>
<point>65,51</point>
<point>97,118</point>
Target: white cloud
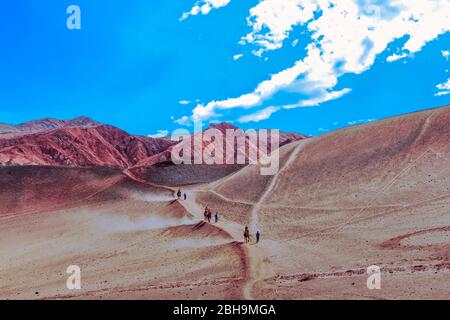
<point>184,102</point>
<point>445,54</point>
<point>346,37</point>
<point>278,17</point>
<point>314,102</point>
<point>444,88</point>
<point>396,57</point>
<point>183,121</point>
<point>204,7</point>
<point>260,115</point>
<point>237,57</point>
<point>159,134</point>
<point>442,93</point>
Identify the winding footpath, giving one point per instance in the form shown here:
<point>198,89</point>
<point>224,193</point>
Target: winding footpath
<point>258,264</point>
<point>256,258</point>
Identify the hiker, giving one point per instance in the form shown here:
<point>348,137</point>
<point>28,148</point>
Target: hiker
<point>185,197</point>
<point>205,214</point>
<point>247,235</point>
<point>209,215</point>
<point>258,235</point>
<point>216,217</point>
<point>179,193</point>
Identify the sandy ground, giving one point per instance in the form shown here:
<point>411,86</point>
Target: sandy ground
<point>144,245</point>
<point>331,212</point>
<point>377,194</point>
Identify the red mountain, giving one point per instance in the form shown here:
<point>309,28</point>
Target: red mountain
<point>42,125</point>
<point>50,124</point>
<point>83,142</point>
<point>285,138</point>
<point>83,146</point>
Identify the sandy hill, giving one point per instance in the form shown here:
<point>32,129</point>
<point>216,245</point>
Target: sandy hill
<point>377,193</point>
<point>131,240</point>
<point>374,194</point>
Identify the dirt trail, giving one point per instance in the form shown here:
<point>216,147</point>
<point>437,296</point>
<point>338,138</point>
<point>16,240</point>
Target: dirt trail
<point>257,261</point>
<point>272,185</point>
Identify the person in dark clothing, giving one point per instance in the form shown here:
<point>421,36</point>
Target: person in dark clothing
<point>247,235</point>
<point>209,215</point>
<point>179,193</point>
<point>258,235</point>
<point>185,196</point>
<point>205,214</point>
<point>216,217</point>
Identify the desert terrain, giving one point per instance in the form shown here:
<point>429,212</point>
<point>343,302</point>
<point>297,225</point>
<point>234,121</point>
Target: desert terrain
<point>373,194</point>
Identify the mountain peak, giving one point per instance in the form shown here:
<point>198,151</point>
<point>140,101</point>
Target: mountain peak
<point>82,120</point>
<point>223,126</point>
<point>52,123</point>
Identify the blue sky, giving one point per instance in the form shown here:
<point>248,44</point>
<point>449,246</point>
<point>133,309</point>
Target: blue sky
<point>133,62</point>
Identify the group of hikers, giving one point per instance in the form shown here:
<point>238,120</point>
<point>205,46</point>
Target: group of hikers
<point>179,194</point>
<point>208,216</point>
<point>247,235</point>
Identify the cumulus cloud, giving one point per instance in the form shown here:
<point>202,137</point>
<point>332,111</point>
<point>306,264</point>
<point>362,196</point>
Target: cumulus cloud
<point>183,121</point>
<point>204,7</point>
<point>346,37</point>
<point>260,115</point>
<point>160,134</point>
<point>237,57</point>
<point>272,21</point>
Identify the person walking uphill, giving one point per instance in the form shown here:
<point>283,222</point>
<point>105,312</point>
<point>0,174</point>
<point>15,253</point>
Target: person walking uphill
<point>216,217</point>
<point>209,215</point>
<point>258,235</point>
<point>205,213</point>
<point>179,193</point>
<point>247,235</point>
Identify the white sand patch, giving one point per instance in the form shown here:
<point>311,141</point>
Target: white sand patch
<point>151,197</point>
<point>125,224</point>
